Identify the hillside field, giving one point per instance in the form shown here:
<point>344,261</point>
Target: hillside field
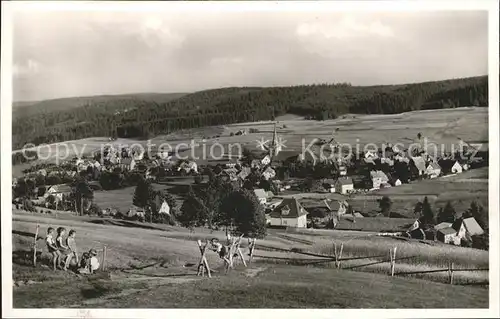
<point>441,127</point>
<point>142,256</point>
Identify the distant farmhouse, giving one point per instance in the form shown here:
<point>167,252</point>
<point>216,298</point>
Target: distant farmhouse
<point>289,213</point>
<point>344,185</point>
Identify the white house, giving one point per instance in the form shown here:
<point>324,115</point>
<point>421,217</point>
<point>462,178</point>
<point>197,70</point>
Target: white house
<point>379,179</point>
<point>127,164</point>
<point>269,173</point>
<point>370,154</point>
<point>289,213</point>
<point>433,170</point>
<point>266,160</point>
<point>468,227</point>
<point>163,154</point>
<point>136,211</point>
<point>456,168</point>
<point>261,195</point>
<point>344,185</point>
<point>164,209</point>
<point>190,166</point>
<point>342,170</point>
<point>58,191</point>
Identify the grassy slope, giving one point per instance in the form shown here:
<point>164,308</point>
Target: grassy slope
<point>134,244</point>
<point>257,287</point>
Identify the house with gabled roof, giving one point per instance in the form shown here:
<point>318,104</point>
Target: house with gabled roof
<point>230,173</point>
<point>433,170</point>
<point>419,164</point>
<point>467,227</point>
<point>58,191</point>
<point>344,185</point>
<point>244,173</point>
<point>379,179</point>
<point>289,213</point>
<point>164,209</point>
<point>448,235</point>
<point>269,173</point>
<point>261,195</point>
<point>127,164</point>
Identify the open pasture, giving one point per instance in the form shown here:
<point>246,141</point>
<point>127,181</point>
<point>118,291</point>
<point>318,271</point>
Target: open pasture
<point>442,127</point>
<point>120,199</point>
<point>271,286</point>
<point>131,245</point>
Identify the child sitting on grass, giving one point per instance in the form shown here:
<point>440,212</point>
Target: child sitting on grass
<point>52,247</point>
<point>72,253</point>
<point>89,263</point>
<point>63,249</point>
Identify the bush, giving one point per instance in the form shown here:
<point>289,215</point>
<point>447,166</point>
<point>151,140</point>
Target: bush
<point>465,243</point>
<point>119,215</point>
<point>198,179</point>
<point>94,210</point>
<point>481,242</point>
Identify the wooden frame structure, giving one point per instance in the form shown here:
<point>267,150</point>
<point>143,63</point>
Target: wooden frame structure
<point>233,250</point>
<point>338,254</point>
<point>392,254</point>
<point>203,263</point>
<point>34,244</point>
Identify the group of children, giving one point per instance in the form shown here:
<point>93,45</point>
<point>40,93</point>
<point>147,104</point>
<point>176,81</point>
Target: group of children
<point>64,251</point>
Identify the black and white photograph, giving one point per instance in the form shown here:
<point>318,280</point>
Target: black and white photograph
<point>319,155</point>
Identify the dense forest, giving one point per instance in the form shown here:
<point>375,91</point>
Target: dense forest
<point>142,116</point>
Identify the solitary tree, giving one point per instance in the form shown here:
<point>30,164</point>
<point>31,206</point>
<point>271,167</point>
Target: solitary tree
<point>427,213</point>
<point>243,209</point>
<point>447,214</point>
<point>385,205</point>
<point>143,193</point>
<point>82,194</point>
<point>192,213</point>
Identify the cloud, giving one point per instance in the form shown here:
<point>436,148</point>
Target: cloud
<point>222,61</point>
<point>155,33</point>
<point>347,27</point>
<point>31,67</point>
<point>87,53</point>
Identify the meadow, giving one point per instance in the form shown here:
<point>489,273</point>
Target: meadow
<point>442,127</point>
<point>133,245</point>
<point>143,256</point>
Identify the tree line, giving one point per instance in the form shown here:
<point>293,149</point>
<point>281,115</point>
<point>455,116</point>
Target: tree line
<point>142,118</point>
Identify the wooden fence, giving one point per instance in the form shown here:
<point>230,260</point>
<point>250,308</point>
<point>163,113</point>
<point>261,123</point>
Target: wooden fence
<point>338,259</point>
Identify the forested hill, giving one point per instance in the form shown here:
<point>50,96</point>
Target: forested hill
<point>143,117</point>
<point>25,108</point>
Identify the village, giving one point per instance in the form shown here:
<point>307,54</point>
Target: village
<point>275,175</point>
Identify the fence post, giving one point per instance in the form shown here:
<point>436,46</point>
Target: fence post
<point>103,266</point>
<point>336,255</point>
<point>340,254</point>
<point>450,272</point>
<point>34,245</point>
<point>252,247</point>
<point>393,261</point>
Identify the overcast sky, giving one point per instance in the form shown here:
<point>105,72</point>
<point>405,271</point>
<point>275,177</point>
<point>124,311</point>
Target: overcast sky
<point>88,53</point>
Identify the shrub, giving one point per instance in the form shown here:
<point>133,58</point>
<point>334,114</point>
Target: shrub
<point>119,215</point>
